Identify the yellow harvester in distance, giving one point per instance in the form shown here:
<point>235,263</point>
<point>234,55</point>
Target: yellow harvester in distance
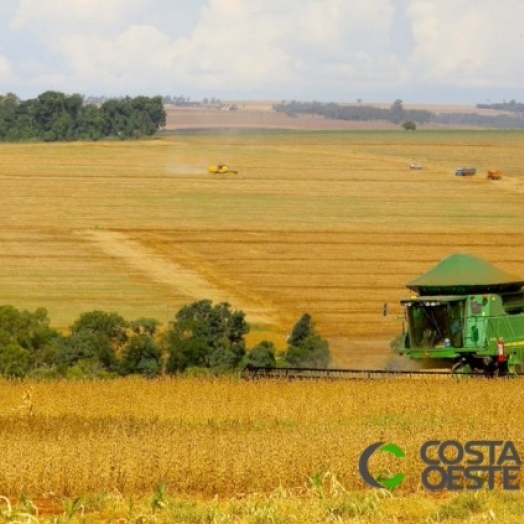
<point>221,168</point>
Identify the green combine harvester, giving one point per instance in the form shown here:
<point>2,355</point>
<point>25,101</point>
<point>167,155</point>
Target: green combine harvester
<point>466,315</point>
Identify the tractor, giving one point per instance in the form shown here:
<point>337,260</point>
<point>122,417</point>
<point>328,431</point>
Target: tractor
<point>466,315</point>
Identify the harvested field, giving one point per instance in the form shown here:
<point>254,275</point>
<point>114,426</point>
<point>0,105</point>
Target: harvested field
<point>260,115</point>
<point>329,223</point>
<point>194,119</point>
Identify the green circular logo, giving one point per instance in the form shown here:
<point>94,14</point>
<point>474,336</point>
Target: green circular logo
<point>380,482</point>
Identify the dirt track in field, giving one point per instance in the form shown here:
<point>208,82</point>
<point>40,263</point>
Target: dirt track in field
<point>164,271</point>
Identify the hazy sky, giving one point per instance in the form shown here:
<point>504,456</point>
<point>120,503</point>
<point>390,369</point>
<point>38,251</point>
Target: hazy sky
<point>430,51</point>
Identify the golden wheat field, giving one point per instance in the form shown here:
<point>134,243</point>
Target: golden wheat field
<point>333,224</point>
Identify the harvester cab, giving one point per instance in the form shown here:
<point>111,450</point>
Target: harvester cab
<point>221,169</point>
<point>435,323</point>
<point>460,312</point>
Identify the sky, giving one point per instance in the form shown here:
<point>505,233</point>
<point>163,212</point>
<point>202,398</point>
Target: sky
<point>418,51</point>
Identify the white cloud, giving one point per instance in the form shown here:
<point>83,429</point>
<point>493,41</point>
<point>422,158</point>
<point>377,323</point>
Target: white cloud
<point>261,42</point>
<point>6,70</point>
<point>46,17</point>
<point>137,60</point>
<point>323,49</point>
<point>240,43</point>
<point>468,42</point>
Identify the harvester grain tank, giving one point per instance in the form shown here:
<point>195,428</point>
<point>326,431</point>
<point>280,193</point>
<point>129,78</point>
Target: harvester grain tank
<point>461,313</point>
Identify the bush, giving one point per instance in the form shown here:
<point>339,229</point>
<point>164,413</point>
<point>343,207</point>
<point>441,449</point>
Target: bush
<point>142,355</point>
<point>262,355</point>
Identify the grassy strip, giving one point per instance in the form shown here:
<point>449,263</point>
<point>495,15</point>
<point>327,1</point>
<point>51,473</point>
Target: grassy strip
<point>326,502</point>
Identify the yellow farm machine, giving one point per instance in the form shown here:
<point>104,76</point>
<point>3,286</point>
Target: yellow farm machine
<point>221,169</point>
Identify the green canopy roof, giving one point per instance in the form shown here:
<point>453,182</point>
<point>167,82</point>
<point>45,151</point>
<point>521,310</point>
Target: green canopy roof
<point>460,274</point>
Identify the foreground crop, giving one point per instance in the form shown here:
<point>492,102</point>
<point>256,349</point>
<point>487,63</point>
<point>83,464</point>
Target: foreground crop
<point>228,437</point>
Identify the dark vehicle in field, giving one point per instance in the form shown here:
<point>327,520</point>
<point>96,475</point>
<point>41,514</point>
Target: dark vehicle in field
<point>465,171</point>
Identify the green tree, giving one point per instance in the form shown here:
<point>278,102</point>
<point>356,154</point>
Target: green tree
<point>142,355</point>
<point>302,330</point>
<point>89,351</point>
<point>49,107</point>
<point>145,326</point>
<point>206,335</point>
<point>64,127</point>
<point>305,347</point>
<point>397,111</point>
<point>26,126</point>
<point>111,325</point>
<point>134,117</point>
<point>186,352</point>
<point>409,125</point>
<point>55,116</point>
<point>83,345</point>
<point>15,361</point>
<point>262,355</point>
<point>96,336</point>
<point>24,333</point>
<point>9,105</point>
<point>91,123</point>
<point>313,353</point>
<point>74,105</point>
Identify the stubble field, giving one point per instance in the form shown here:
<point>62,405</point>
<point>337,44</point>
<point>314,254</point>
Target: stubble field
<point>333,224</point>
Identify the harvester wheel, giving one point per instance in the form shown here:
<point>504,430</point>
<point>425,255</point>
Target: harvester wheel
<point>460,367</point>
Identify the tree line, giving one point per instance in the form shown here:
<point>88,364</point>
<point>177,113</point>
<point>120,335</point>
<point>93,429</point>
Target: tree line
<point>203,337</point>
<point>511,106</point>
<point>54,116</point>
<point>397,114</point>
